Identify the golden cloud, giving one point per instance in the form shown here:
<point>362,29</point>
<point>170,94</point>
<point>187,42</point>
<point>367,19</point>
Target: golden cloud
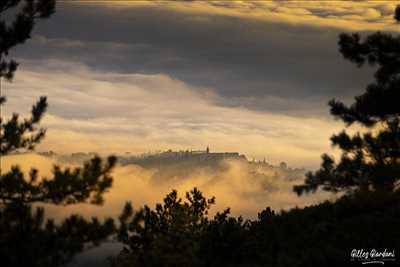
<point>348,15</point>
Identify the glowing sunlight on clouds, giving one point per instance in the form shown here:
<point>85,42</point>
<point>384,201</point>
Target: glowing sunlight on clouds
<point>232,186</point>
<point>115,113</point>
<point>352,15</point>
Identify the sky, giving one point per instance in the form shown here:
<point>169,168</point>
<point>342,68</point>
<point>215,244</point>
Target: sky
<point>247,76</point>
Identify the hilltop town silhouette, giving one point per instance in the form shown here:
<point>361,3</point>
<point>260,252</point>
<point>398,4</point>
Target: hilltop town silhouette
<point>167,155</point>
<point>170,164</point>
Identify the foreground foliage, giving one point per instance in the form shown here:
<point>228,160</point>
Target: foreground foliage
<point>178,233</point>
<point>27,237</point>
<point>370,159</point>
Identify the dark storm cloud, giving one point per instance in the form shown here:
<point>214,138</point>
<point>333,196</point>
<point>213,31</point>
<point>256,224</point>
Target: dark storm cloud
<point>266,66</point>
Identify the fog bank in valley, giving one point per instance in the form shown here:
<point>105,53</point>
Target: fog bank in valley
<point>245,187</point>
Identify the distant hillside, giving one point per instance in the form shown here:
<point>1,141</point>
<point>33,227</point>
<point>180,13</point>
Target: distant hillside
<point>170,164</point>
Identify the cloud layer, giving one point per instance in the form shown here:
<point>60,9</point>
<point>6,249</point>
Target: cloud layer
<point>111,112</point>
<point>233,186</point>
<point>354,15</point>
<point>272,61</point>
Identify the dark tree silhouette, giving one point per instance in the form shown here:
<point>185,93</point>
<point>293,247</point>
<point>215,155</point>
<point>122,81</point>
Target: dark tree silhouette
<point>13,133</point>
<point>19,30</point>
<point>370,159</point>
<point>181,233</point>
<point>27,238</point>
<point>178,233</point>
<point>165,236</point>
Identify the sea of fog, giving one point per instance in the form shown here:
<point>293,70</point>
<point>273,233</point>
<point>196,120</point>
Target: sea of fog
<point>244,187</point>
